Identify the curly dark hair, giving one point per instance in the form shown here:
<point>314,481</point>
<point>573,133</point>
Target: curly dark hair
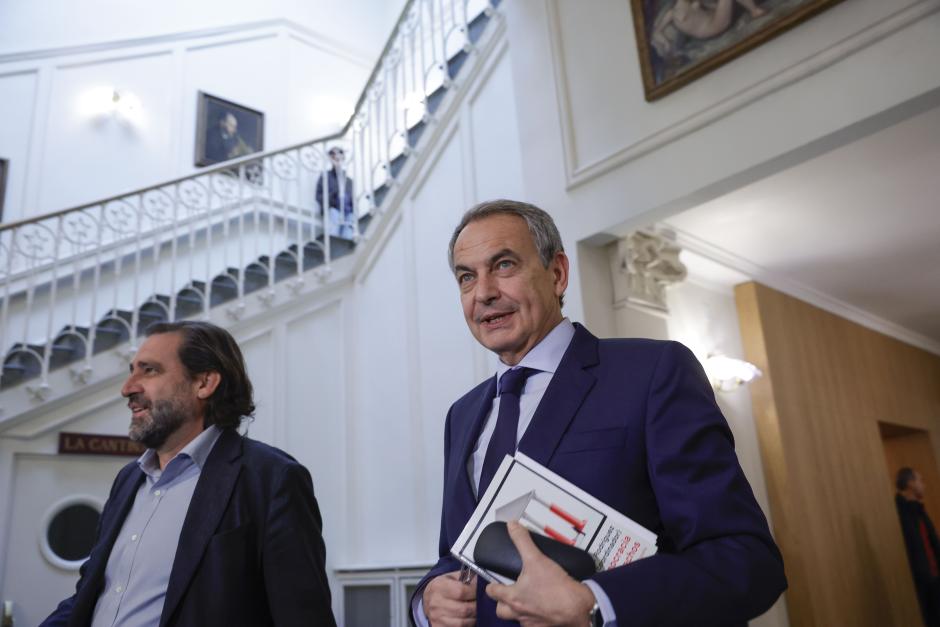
<point>210,348</point>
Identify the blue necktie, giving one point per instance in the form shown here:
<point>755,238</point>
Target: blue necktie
<point>503,441</point>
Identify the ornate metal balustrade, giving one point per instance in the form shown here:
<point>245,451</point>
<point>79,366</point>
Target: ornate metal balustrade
<point>88,279</point>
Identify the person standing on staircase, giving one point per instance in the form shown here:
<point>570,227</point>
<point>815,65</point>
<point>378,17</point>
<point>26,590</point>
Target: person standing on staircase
<point>338,196</point>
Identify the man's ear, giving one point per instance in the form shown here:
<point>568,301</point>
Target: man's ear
<point>206,383</point>
<point>560,271</point>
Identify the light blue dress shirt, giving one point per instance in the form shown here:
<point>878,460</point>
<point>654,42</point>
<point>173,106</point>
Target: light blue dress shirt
<point>544,357</point>
<point>138,570</point>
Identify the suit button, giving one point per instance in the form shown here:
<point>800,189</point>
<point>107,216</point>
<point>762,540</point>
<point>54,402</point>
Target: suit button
<point>119,589</point>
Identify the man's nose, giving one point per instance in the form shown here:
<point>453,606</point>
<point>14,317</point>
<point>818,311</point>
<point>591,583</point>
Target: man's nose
<point>487,289</point>
<point>130,387</point>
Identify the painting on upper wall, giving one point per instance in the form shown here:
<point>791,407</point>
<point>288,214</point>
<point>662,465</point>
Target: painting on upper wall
<point>225,130</point>
<point>681,40</point>
<point>4,166</point>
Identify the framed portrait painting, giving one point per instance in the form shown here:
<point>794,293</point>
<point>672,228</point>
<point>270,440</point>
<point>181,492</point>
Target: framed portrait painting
<point>226,130</point>
<point>681,40</point>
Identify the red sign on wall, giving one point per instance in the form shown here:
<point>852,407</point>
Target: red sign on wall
<point>91,444</point>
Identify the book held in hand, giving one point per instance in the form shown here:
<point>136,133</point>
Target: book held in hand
<point>525,491</point>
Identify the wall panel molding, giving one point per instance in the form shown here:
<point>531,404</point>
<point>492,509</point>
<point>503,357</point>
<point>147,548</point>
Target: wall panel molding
<point>324,42</point>
<point>578,173</point>
<point>803,292</point>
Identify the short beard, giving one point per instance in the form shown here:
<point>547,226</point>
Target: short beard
<point>165,418</point>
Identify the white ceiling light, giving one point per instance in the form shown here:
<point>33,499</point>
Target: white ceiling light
<point>727,373</point>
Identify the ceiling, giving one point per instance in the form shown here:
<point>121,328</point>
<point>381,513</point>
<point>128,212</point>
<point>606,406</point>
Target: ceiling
<point>361,27</point>
<point>855,230</point>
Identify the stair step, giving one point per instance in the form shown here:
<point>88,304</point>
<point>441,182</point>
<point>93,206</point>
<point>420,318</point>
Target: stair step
<point>68,346</point>
<point>455,63</point>
<point>434,100</point>
<point>313,254</point>
<point>478,25</point>
<point>339,247</point>
<point>256,275</point>
<point>189,300</point>
<point>415,133</point>
<point>379,195</point>
<point>19,366</point>
<point>153,310</point>
<point>109,332</point>
<point>285,265</point>
<point>224,287</point>
<point>364,222</point>
<point>396,165</point>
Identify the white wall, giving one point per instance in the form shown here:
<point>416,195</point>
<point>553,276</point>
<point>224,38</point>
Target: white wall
<point>602,159</point>
<point>62,154</point>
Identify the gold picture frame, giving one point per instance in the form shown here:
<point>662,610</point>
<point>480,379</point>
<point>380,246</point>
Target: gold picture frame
<point>680,41</point>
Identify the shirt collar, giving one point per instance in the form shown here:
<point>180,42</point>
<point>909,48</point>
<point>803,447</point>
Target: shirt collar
<point>546,355</point>
<point>198,450</point>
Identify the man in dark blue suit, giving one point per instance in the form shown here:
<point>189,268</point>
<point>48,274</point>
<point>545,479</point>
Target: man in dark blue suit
<point>632,422</point>
<point>207,527</point>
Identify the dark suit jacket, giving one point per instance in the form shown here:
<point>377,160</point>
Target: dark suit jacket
<point>634,423</point>
<point>927,585</point>
<point>250,552</point>
<point>332,186</point>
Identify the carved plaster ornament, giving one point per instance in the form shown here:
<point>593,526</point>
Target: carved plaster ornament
<point>643,264</point>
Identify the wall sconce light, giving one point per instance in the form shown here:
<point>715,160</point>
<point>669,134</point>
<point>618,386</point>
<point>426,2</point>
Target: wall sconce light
<point>727,373</point>
<point>104,101</point>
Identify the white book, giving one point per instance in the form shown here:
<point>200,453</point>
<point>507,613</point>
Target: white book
<point>525,491</point>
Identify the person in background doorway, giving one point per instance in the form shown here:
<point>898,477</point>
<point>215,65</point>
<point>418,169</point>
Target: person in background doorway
<point>338,195</point>
<point>920,539</point>
<point>207,527</point>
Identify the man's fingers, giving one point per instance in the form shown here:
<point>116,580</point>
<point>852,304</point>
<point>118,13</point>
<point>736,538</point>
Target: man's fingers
<point>453,609</point>
<point>502,595</point>
<point>465,591</point>
<point>497,591</point>
<point>523,541</point>
<point>449,586</point>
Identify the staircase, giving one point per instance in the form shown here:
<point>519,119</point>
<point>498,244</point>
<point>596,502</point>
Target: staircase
<point>173,244</point>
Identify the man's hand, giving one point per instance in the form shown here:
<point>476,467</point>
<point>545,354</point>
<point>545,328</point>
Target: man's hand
<point>544,594</point>
<point>450,603</point>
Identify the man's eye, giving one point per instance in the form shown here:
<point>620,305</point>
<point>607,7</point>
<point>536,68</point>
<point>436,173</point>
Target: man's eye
<point>464,278</point>
<point>504,264</point>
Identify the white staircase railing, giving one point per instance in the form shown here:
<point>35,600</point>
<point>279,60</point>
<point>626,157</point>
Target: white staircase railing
<point>82,280</point>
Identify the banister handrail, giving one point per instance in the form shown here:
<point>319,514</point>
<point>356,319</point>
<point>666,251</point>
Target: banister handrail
<point>228,165</point>
<point>224,167</point>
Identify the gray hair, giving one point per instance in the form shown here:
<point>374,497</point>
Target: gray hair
<point>544,233</point>
<point>541,226</point>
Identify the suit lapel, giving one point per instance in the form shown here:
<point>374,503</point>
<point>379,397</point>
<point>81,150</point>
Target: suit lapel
<point>463,485</point>
<point>567,390</point>
<point>210,498</point>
